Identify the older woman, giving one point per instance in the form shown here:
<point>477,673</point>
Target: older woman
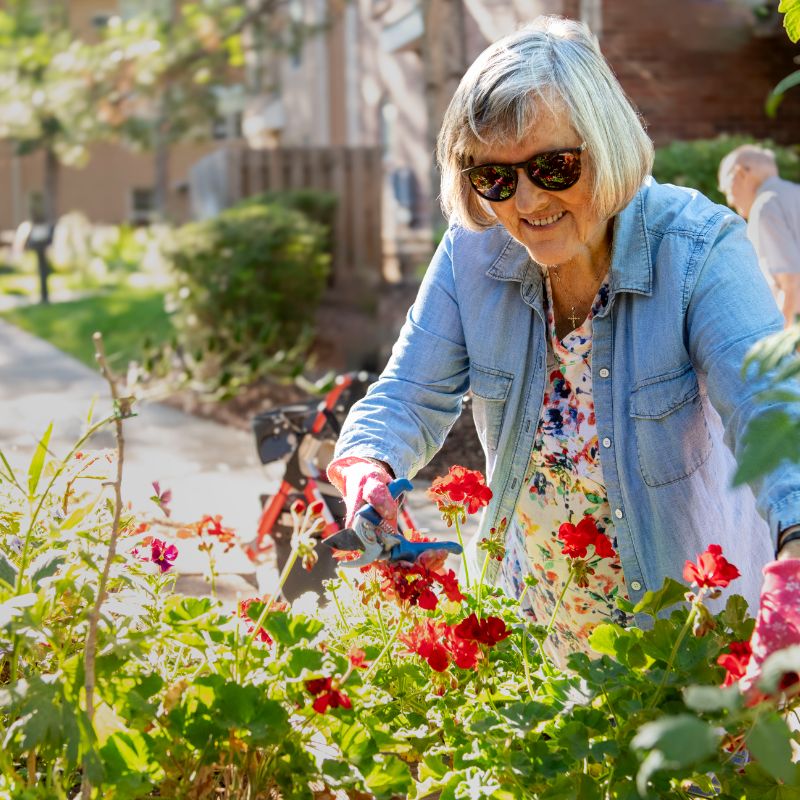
<point>600,320</point>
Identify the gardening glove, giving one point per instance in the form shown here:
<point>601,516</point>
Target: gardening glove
<point>778,621</point>
<point>363,481</point>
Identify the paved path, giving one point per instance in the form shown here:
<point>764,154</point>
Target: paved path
<point>210,468</point>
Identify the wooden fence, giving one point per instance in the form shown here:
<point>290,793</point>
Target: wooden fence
<point>354,175</point>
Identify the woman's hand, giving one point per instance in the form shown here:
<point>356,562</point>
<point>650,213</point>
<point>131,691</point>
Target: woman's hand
<point>363,481</point>
<point>778,622</point>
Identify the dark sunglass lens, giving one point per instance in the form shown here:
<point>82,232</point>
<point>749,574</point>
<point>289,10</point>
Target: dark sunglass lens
<point>494,182</point>
<point>555,171</point>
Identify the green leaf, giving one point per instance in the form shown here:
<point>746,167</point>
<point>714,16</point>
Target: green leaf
<point>712,698</point>
<point>653,603</point>
<point>758,783</point>
<point>769,742</point>
<point>37,462</point>
<point>8,572</point>
<point>128,763</point>
<point>289,629</point>
<point>682,739</point>
<point>771,437</point>
<point>46,564</point>
<point>389,776</point>
<point>791,19</point>
<point>304,659</point>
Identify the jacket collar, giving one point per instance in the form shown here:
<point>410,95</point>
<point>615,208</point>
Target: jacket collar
<point>631,263</point>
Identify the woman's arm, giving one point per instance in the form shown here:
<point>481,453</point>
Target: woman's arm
<point>407,414</point>
<point>730,308</point>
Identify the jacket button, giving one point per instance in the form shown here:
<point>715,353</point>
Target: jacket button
<point>636,586</point>
<point>604,373</point>
<point>618,513</point>
<point>606,442</point>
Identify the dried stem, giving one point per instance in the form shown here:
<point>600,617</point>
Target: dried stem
<point>121,410</point>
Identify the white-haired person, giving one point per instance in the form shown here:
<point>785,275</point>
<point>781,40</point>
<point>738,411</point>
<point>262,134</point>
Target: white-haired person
<point>748,177</point>
<point>600,321</point>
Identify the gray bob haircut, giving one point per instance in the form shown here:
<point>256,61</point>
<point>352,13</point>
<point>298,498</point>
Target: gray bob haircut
<point>553,63</point>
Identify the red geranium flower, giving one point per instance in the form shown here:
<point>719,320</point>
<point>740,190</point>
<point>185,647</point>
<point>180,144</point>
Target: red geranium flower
<point>414,584</point>
<point>327,696</point>
<point>711,569</point>
<point>426,640</point>
<point>449,583</point>
<point>462,491</point>
<point>358,658</point>
<point>244,613</point>
<point>488,631</point>
<point>735,661</point>
<point>465,652</point>
<point>578,538</point>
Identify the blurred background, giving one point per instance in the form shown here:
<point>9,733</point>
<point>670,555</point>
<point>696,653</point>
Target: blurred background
<point>242,195</point>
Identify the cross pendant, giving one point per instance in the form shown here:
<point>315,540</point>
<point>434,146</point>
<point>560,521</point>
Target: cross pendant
<point>573,317</point>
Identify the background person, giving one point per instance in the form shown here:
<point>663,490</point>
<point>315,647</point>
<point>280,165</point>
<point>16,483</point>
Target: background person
<point>601,321</point>
<point>748,176</point>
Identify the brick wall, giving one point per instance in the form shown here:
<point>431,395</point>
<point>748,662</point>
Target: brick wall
<point>698,68</point>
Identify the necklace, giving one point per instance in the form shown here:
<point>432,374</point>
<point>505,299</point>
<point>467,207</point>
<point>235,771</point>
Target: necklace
<point>572,316</point>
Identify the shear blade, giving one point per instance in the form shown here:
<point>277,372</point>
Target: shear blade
<point>346,539</point>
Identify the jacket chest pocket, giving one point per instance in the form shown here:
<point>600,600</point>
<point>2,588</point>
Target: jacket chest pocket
<point>490,388</point>
<point>672,437</point>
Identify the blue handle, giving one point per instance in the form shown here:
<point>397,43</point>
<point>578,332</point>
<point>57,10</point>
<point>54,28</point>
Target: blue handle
<point>411,551</point>
<point>396,488</point>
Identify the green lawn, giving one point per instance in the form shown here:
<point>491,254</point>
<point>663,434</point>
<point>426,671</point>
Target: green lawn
<point>126,317</point>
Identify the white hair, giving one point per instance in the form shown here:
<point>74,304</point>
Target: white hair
<point>758,160</point>
<point>551,64</point>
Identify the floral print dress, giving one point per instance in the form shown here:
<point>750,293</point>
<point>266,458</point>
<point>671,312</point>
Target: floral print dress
<point>563,484</point>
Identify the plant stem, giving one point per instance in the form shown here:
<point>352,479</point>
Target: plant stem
<point>673,655</point>
<point>550,625</point>
<point>480,582</point>
<point>94,615</point>
<point>386,648</point>
<point>463,551</point>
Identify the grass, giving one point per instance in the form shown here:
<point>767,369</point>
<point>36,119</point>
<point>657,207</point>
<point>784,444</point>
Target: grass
<point>127,318</point>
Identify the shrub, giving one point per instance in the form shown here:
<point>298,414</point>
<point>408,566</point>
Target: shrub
<point>247,284</point>
<point>695,163</point>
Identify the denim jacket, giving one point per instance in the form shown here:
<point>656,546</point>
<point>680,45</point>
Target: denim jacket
<point>687,301</point>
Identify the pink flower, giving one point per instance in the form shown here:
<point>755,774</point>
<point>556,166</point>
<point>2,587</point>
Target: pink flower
<point>163,554</point>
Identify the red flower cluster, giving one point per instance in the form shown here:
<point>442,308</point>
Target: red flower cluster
<point>735,662</point>
<point>327,695</point>
<point>243,612</point>
<point>441,644</point>
<point>711,569</point>
<point>462,491</point>
<point>577,538</point>
<point>488,631</point>
<point>414,584</point>
<point>213,527</point>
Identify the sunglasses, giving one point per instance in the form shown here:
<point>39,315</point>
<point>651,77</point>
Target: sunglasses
<point>554,171</point>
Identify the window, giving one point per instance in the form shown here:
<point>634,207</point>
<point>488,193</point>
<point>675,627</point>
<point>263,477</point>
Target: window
<point>142,202</point>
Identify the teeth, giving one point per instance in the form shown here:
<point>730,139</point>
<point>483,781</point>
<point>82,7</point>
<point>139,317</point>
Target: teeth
<point>546,220</point>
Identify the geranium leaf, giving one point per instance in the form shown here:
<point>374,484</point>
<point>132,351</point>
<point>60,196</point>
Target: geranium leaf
<point>682,739</point>
<point>389,776</point>
<point>289,629</point>
<point>8,572</point>
<point>37,462</point>
<point>791,19</point>
<point>769,741</point>
<point>771,437</point>
<point>654,602</point>
<point>712,698</point>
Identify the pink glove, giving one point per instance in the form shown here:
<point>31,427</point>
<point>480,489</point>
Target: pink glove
<point>362,482</point>
<point>778,622</point>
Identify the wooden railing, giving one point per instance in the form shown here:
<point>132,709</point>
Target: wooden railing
<point>354,175</point>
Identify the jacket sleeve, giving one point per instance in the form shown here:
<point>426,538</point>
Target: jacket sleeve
<point>730,308</point>
<point>408,412</point>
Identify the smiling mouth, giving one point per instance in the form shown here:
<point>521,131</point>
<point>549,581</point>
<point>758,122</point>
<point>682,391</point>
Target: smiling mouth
<point>544,221</point>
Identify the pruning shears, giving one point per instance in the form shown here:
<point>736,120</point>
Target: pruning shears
<point>378,540</point>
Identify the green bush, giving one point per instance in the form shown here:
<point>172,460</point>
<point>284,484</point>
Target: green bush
<point>319,207</point>
<point>247,284</point>
<point>695,163</point>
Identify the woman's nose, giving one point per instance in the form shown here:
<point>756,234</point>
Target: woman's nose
<point>528,196</point>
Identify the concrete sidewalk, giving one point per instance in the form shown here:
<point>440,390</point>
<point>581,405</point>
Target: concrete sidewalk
<point>210,468</point>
